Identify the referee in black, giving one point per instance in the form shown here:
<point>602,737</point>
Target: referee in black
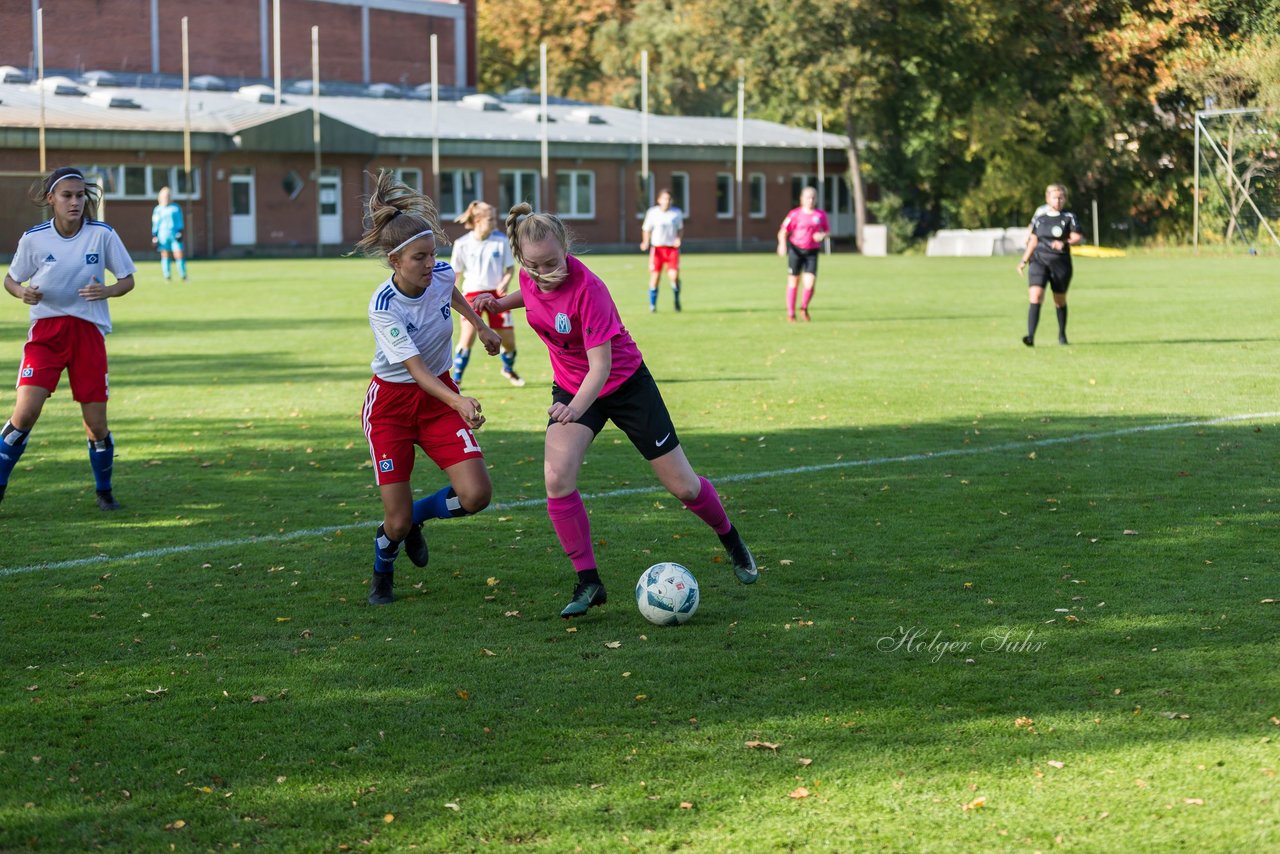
<point>1053,232</point>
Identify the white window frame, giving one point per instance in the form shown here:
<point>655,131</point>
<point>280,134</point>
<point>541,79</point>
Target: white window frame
<point>681,203</point>
<point>764,191</point>
<point>112,177</point>
<point>728,176</point>
<point>458,176</point>
<point>402,175</point>
<point>573,176</point>
<point>644,205</point>
<point>519,177</point>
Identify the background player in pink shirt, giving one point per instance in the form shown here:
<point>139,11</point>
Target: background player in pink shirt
<point>799,240</point>
<point>600,376</point>
<point>411,399</point>
<point>65,261</point>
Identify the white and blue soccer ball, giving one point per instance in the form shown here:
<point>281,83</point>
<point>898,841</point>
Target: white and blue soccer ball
<point>667,594</point>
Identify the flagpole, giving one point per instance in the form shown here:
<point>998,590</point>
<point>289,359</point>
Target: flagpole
<point>546,186</point>
<point>315,131</point>
<point>186,129</point>
<point>435,118</point>
<point>40,80</point>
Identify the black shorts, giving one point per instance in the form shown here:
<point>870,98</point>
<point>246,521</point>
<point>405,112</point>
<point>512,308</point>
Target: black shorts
<point>1054,271</point>
<point>636,408</point>
<point>801,260</point>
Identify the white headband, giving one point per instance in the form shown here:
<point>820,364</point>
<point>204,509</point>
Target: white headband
<point>410,240</point>
<point>75,175</point>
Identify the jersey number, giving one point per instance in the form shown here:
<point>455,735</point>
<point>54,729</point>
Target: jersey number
<point>468,441</point>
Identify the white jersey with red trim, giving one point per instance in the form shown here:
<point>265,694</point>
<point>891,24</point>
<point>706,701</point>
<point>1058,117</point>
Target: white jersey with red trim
<point>481,263</point>
<point>60,266</point>
<point>404,327</point>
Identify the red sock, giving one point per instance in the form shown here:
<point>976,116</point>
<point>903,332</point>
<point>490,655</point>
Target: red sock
<point>569,518</point>
<point>708,508</point>
<point>791,301</point>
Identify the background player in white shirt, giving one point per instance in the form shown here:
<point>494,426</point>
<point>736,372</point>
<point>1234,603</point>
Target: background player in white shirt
<point>482,258</point>
<point>411,399</point>
<point>65,262</point>
<point>663,229</point>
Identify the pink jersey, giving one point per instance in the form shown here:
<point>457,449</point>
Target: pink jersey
<point>572,319</point>
<point>800,226</point>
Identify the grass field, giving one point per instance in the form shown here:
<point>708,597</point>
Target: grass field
<point>1011,599</point>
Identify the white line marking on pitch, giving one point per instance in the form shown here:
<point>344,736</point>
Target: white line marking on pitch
<point>643,490</point>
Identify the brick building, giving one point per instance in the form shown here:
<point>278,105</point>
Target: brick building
<point>254,186</point>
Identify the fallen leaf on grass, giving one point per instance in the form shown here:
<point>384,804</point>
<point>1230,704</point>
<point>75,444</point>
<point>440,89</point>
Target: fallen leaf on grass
<point>1024,722</point>
<point>785,562</point>
<point>685,805</point>
<point>613,644</point>
<point>157,691</point>
<point>453,807</point>
<point>1195,802</point>
<point>1053,763</point>
<point>510,613</point>
<point>571,630</point>
<point>805,761</point>
<point>1176,716</point>
<point>1270,601</point>
<point>975,804</point>
<point>388,818</point>
<point>801,792</point>
<point>764,745</point>
<point>488,651</point>
<point>464,695</point>
<point>257,698</point>
<point>177,825</point>
<point>1130,533</point>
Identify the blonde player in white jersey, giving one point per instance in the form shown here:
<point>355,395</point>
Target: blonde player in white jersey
<point>64,263</point>
<point>411,399</point>
<point>482,259</point>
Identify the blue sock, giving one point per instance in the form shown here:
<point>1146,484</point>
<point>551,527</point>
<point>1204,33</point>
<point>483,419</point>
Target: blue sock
<point>102,454</point>
<point>444,504</point>
<point>508,360</point>
<point>182,267</point>
<point>653,297</point>
<point>12,443</point>
<point>385,551</point>
<point>460,360</point>
<point>164,267</point>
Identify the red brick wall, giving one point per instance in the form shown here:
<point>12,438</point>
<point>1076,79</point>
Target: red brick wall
<point>226,39</point>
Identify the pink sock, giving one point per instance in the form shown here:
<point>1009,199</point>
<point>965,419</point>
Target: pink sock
<point>808,295</point>
<point>569,518</point>
<point>708,508</point>
<point>791,301</point>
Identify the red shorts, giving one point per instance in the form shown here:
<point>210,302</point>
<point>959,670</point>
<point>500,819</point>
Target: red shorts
<point>55,343</point>
<point>664,256</point>
<point>496,319</point>
<point>398,416</point>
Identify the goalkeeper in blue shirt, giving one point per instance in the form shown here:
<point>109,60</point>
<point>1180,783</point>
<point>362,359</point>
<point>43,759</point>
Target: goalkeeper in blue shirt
<point>166,234</point>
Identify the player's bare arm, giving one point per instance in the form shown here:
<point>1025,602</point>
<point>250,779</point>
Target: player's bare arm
<point>1032,242</point>
<point>599,363</point>
<point>491,340</point>
<point>467,407</point>
<point>29,296</point>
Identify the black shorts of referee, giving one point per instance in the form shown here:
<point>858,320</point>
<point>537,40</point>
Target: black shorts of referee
<point>636,407</point>
<point>1054,270</point>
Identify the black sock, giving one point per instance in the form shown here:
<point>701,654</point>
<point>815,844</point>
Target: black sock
<point>1033,319</point>
<point>1062,321</point>
<point>588,576</point>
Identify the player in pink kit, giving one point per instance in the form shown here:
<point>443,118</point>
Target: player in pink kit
<point>411,399</point>
<point>799,239</point>
<point>65,261</point>
<point>599,376</point>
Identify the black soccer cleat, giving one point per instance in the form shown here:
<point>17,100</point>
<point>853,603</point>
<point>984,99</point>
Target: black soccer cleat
<point>415,546</point>
<point>3,487</point>
<point>586,594</point>
<point>106,501</point>
<point>1062,339</point>
<point>1028,340</point>
<point>744,564</point>
<point>380,588</point>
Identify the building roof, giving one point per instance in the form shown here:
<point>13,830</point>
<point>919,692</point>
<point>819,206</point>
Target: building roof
<point>474,124</point>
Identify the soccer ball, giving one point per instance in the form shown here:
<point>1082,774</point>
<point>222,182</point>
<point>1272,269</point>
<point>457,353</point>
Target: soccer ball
<point>667,594</point>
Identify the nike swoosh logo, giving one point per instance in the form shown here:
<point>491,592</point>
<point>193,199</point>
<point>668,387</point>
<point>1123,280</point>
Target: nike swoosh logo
<point>663,440</point>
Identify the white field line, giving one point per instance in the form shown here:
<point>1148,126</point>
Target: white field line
<point>643,490</point>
